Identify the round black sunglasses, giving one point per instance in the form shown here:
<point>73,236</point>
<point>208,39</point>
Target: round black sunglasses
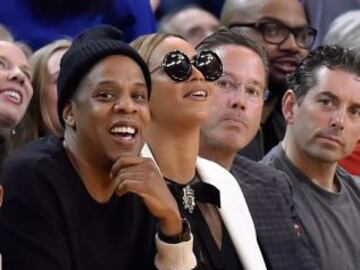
<point>179,67</point>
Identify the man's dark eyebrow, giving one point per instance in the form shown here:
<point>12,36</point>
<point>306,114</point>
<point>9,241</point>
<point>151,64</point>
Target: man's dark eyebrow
<point>114,82</point>
<point>335,97</point>
<point>328,94</point>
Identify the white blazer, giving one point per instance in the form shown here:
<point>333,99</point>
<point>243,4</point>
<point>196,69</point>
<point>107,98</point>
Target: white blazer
<point>234,211</point>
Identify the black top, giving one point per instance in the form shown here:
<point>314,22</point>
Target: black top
<point>49,221</point>
<point>209,255</point>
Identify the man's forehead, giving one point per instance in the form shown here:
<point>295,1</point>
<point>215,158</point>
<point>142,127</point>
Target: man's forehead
<point>230,55</point>
<point>336,82</point>
<point>290,12</point>
<point>240,11</point>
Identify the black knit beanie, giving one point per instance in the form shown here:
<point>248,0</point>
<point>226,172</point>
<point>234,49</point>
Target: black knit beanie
<point>86,50</point>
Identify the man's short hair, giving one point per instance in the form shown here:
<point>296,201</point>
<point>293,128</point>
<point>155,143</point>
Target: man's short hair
<point>225,36</point>
<point>332,57</point>
<point>345,31</point>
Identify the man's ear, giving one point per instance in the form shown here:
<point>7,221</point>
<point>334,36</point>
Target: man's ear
<point>289,106</point>
<point>68,114</point>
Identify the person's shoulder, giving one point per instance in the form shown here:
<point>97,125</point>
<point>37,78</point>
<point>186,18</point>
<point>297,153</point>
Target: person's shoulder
<point>34,179</point>
<point>352,181</point>
<point>251,167</point>
<point>214,173</point>
<point>276,159</point>
<point>36,150</point>
<point>37,157</point>
<point>357,179</point>
<point>250,172</point>
<point>210,166</point>
<point>272,156</point>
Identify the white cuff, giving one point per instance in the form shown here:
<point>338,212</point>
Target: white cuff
<point>174,256</point>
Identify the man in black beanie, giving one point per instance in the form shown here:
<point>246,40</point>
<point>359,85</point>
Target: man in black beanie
<point>88,201</point>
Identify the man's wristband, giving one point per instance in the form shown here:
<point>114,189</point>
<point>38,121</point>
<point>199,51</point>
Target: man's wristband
<point>175,239</point>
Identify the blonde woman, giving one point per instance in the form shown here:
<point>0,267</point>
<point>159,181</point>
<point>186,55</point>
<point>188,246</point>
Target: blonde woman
<point>41,118</point>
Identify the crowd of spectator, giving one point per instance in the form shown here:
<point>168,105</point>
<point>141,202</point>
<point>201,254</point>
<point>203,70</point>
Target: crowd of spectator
<point>185,134</point>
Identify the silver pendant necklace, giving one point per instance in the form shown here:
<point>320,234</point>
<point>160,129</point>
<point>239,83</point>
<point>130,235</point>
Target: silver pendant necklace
<point>189,198</point>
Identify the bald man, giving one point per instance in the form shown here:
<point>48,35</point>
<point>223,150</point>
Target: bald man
<point>191,22</point>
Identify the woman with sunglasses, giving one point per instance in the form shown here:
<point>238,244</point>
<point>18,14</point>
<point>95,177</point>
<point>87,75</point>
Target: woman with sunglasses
<point>209,198</point>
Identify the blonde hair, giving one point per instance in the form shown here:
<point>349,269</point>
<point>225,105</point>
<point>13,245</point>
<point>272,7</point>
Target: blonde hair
<point>146,44</point>
<point>37,122</point>
<point>40,73</point>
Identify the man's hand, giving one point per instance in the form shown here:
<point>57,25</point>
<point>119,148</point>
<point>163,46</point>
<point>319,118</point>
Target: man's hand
<point>141,176</point>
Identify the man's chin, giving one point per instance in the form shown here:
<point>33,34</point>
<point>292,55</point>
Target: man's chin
<point>277,84</point>
<point>127,153</point>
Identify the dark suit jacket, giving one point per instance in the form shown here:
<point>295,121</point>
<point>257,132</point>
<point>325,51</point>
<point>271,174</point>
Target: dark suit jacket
<point>279,230</point>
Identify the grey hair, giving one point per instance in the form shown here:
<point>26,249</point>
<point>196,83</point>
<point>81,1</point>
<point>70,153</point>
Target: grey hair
<point>246,10</point>
<point>345,31</point>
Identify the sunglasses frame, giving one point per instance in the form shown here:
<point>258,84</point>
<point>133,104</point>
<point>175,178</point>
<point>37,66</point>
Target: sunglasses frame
<point>191,64</point>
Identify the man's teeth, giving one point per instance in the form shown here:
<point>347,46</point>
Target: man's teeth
<point>13,94</point>
<point>128,130</point>
<point>199,93</point>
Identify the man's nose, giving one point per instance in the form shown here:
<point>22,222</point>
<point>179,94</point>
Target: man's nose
<point>338,119</point>
<point>125,105</point>
<point>238,98</point>
<point>290,44</point>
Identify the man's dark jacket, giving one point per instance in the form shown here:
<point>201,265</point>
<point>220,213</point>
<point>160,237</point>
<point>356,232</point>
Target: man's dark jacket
<point>279,230</point>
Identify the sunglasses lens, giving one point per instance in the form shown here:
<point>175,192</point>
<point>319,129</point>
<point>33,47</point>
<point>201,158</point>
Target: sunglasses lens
<point>177,66</point>
<point>209,64</point>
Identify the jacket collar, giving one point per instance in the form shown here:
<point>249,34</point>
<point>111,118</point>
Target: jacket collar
<point>234,211</point>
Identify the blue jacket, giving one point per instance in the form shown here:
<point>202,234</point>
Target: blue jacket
<point>133,17</point>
